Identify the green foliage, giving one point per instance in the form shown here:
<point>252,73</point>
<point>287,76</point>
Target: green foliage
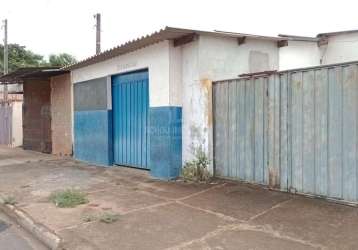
<point>108,218</point>
<point>20,57</point>
<point>9,200</point>
<point>62,59</point>
<point>68,198</point>
<point>105,217</point>
<point>197,169</point>
<point>89,218</point>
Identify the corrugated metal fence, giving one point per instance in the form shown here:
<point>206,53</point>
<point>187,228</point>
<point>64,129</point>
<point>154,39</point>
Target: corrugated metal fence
<point>295,130</point>
<point>5,124</point>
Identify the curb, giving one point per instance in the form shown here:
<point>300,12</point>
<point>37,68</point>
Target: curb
<point>42,233</point>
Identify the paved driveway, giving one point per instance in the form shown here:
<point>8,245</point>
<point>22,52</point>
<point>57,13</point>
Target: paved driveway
<point>172,215</point>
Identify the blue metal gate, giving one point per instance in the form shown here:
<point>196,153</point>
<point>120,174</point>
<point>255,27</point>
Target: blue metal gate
<point>130,98</point>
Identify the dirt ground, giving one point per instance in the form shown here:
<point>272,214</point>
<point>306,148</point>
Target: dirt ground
<point>156,214</point>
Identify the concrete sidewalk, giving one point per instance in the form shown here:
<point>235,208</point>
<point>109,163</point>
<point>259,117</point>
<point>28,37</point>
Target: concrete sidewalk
<point>170,215</point>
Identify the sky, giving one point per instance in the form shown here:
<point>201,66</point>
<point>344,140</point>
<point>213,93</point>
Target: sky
<point>56,26</point>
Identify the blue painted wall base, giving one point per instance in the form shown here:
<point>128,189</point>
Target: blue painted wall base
<point>93,136</point>
<point>165,142</point>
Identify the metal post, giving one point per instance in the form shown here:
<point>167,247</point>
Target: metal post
<point>6,57</point>
<point>98,33</point>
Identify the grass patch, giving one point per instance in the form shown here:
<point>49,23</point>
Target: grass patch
<point>108,218</point>
<point>68,198</point>
<point>89,218</point>
<point>9,200</point>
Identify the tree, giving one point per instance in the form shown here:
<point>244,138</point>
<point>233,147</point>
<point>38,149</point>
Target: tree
<point>19,57</point>
<point>62,59</point>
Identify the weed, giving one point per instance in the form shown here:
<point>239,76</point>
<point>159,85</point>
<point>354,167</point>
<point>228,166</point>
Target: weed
<point>108,218</point>
<point>9,200</point>
<point>68,198</point>
<point>89,218</point>
<point>197,169</point>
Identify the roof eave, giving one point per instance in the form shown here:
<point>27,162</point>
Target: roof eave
<point>336,33</point>
<point>30,72</point>
<point>168,33</point>
<point>299,38</point>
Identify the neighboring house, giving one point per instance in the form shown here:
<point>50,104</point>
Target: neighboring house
<point>13,89</point>
<point>47,116</point>
<point>11,120</point>
<point>326,48</point>
<point>338,47</point>
<point>11,116</point>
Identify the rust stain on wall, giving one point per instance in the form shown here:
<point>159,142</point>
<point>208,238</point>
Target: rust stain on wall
<point>206,85</point>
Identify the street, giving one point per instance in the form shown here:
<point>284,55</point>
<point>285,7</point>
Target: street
<point>13,237</point>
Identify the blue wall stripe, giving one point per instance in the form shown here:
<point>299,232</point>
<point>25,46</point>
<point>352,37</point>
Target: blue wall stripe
<point>93,136</point>
<point>165,142</point>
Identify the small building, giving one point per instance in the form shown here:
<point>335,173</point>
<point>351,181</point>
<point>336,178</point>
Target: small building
<point>46,116</point>
<point>338,47</point>
<point>148,103</point>
<point>324,49</point>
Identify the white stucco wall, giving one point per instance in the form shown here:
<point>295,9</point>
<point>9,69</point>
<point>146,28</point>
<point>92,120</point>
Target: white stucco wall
<point>340,48</point>
<point>192,101</point>
<point>155,58</point>
<point>175,75</point>
<point>209,59</point>
<point>222,57</point>
<point>299,54</point>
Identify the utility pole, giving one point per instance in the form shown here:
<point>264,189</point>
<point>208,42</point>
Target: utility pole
<point>6,58</point>
<point>98,32</point>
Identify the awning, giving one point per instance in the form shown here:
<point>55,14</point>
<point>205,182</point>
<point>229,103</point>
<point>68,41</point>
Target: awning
<point>20,74</point>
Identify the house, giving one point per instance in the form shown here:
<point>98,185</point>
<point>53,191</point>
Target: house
<point>148,103</point>
<point>151,98</point>
<point>46,116</point>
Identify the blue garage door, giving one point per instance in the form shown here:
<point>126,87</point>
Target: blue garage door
<point>130,119</point>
